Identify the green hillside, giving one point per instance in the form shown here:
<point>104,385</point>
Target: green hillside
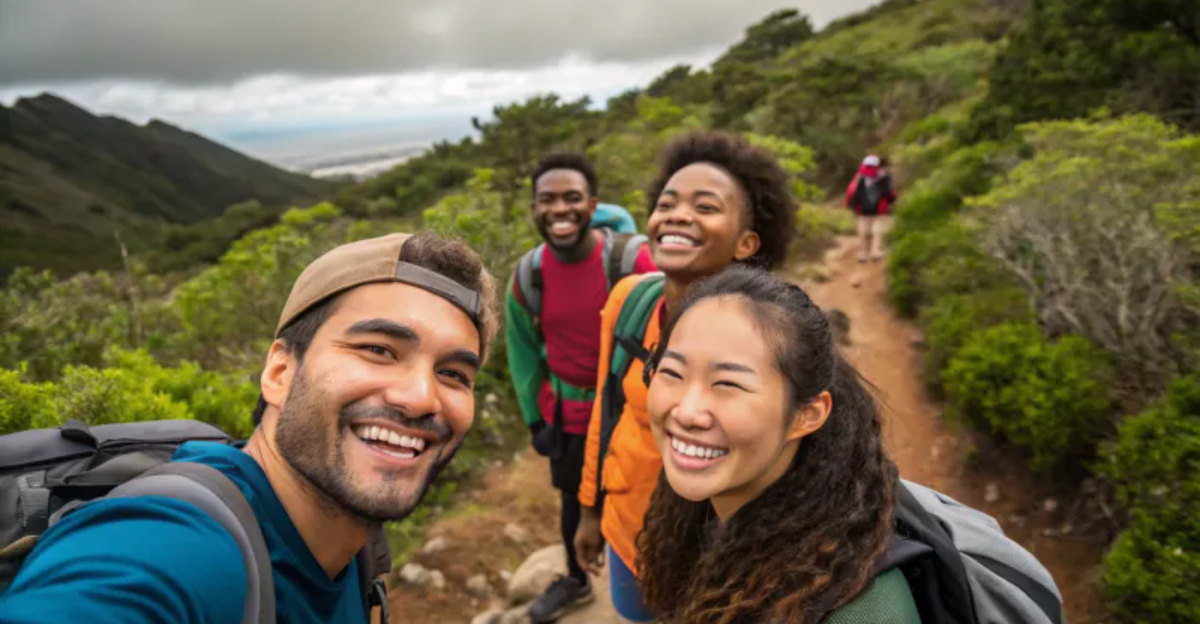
<point>69,179</point>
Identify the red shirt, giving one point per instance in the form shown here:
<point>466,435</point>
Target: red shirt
<point>572,297</point>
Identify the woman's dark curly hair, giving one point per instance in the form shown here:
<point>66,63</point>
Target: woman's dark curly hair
<point>806,544</point>
<point>772,208</point>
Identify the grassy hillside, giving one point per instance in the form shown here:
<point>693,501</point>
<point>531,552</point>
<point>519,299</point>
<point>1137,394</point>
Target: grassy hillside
<point>69,179</point>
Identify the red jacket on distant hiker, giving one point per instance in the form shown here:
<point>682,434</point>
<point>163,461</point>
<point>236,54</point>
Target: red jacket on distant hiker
<point>870,192</point>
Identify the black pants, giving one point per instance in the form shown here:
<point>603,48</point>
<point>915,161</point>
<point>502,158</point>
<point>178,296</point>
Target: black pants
<point>565,474</point>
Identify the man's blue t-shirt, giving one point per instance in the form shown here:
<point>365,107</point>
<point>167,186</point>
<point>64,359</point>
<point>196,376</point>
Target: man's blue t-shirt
<point>154,560</point>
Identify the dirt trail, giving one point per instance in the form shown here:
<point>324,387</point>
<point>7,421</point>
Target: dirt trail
<point>927,450</point>
<point>957,462</point>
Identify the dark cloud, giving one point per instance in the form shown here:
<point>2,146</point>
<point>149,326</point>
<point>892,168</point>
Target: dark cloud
<point>218,41</point>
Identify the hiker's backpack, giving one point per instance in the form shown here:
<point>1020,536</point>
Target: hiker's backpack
<point>46,474</point>
<point>867,197</point>
<point>615,218</point>
<point>628,334</point>
<point>960,566</point>
<point>618,256</point>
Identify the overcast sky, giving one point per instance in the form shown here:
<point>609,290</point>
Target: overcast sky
<point>233,66</point>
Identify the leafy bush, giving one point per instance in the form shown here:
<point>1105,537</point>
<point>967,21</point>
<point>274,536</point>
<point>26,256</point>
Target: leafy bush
<point>130,387</point>
<point>229,311</point>
<point>48,323</point>
<point>1078,226</point>
<point>24,405</point>
<point>498,230</point>
<point>816,227</point>
<point>1152,570</point>
<point>951,320</point>
<point>1049,398</point>
<point>794,158</point>
<point>913,254</point>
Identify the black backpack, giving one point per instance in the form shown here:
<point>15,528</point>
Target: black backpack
<point>47,473</point>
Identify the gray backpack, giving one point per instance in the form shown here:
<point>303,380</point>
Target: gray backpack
<point>46,474</point>
<point>960,566</point>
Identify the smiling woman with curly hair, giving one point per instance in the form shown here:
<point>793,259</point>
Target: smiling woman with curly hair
<point>776,495</point>
<point>718,201</point>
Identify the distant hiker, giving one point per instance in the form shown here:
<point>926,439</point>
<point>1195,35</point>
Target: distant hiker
<point>366,395</point>
<point>779,502</point>
<point>553,334</point>
<point>717,201</point>
<point>870,195</point>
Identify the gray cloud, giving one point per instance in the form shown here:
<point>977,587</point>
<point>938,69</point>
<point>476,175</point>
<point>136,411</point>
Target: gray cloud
<point>220,41</point>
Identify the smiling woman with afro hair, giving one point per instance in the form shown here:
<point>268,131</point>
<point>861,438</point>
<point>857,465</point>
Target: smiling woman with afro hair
<point>718,201</point>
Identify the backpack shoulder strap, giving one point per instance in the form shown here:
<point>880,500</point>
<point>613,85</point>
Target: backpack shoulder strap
<point>373,561</point>
<point>628,334</point>
<point>529,280</point>
<point>999,573</point>
<point>212,492</point>
<point>620,258</point>
<point>942,591</point>
<point>630,328</point>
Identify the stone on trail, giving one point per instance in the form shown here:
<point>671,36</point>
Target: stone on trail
<point>478,586</point>
<point>437,580</point>
<point>991,493</point>
<point>435,545</point>
<point>491,616</point>
<point>415,575</point>
<point>516,533</point>
<point>536,574</point>
<point>516,615</point>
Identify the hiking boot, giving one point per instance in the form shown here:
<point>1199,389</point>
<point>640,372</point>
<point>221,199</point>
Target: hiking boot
<point>564,594</point>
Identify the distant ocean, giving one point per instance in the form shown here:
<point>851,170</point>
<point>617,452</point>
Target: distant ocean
<point>359,152</point>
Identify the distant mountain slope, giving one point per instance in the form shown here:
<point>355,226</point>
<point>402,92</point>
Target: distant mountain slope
<point>69,179</point>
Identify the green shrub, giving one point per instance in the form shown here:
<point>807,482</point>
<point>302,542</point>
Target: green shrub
<point>229,311</point>
<point>131,387</point>
<point>498,229</point>
<point>48,323</point>
<point>816,227</point>
<point>912,255</point>
<point>1081,225</point>
<point>1152,571</point>
<point>951,320</point>
<point>1049,398</point>
<point>24,405</point>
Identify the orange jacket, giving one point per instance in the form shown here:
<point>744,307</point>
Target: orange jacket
<point>632,464</point>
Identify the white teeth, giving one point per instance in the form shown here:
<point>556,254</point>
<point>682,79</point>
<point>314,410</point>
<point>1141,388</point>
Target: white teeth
<point>700,452</point>
<point>675,239</point>
<point>410,444</point>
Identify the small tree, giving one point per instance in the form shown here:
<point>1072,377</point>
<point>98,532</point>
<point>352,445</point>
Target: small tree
<point>1080,226</point>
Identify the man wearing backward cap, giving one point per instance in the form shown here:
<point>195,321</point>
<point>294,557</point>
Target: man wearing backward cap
<point>366,394</point>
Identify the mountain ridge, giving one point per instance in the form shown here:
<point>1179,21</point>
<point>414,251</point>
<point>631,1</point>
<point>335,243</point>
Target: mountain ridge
<point>74,178</point>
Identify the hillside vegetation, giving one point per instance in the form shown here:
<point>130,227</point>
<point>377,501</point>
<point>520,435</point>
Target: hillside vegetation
<point>69,180</point>
<point>1047,242</point>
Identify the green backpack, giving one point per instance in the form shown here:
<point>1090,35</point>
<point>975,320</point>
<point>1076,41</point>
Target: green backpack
<point>628,334</point>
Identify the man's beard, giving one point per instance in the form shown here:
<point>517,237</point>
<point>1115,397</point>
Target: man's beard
<point>581,235</point>
<point>304,441</point>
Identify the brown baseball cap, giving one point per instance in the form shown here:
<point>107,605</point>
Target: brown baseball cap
<point>366,262</point>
